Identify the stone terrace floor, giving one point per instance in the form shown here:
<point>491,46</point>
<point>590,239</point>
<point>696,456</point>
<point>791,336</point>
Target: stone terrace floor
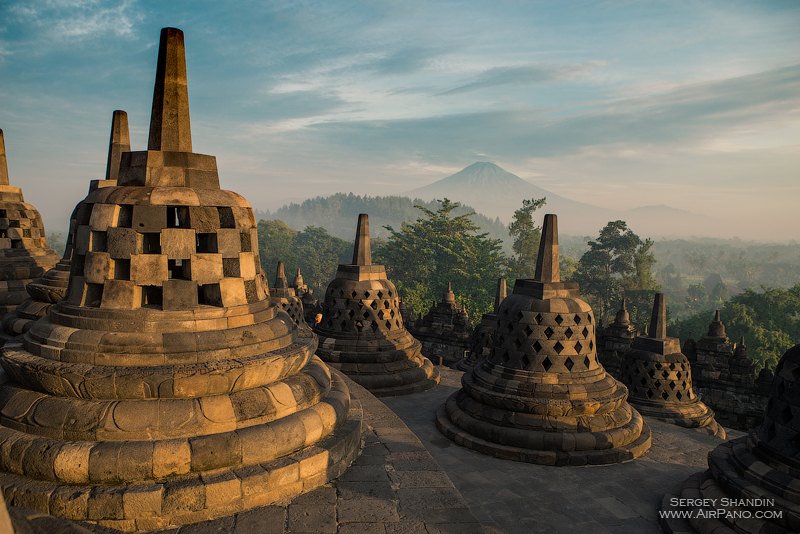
<point>513,497</point>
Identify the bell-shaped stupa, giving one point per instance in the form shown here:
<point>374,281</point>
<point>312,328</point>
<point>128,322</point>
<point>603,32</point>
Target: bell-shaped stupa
<point>615,340</point>
<point>482,338</point>
<point>759,473</point>
<point>166,388</point>
<point>284,296</point>
<point>362,331</point>
<point>24,252</point>
<point>541,395</point>
<point>444,330</point>
<point>659,377</point>
<point>52,287</point>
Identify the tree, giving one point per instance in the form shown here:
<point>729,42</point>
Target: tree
<point>618,262</point>
<point>441,247</point>
<point>526,235</point>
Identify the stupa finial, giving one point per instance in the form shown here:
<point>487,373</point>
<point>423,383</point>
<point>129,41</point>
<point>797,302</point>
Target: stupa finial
<point>500,293</point>
<point>547,260</point>
<point>3,161</point>
<point>658,320</point>
<point>119,142</point>
<point>280,277</point>
<point>170,130</point>
<point>362,254</point>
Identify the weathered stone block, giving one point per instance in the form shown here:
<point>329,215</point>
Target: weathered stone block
<point>149,218</point>
<point>103,216</point>
<point>228,242</point>
<point>179,294</point>
<point>121,294</point>
<point>178,243</point>
<point>97,267</point>
<point>149,269</point>
<point>206,268</point>
<point>124,242</point>
<point>232,291</point>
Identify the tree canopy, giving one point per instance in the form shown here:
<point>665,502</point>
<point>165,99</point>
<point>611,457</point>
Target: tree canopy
<point>526,235</point>
<point>441,247</point>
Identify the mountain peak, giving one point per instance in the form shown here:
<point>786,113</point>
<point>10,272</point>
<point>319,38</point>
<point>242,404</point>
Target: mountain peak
<point>482,173</point>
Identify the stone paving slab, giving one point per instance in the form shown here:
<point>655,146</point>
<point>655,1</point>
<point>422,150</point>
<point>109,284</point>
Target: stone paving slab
<point>513,497</point>
<point>394,487</point>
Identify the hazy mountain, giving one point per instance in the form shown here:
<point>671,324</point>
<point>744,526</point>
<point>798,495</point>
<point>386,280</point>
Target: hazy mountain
<point>496,192</point>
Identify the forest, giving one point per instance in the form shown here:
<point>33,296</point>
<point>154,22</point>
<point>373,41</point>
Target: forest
<point>755,285</point>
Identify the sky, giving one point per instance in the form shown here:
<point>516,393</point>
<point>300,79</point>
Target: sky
<point>618,103</point>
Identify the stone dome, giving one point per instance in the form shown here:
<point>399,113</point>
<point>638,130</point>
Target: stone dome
<point>541,395</point>
<point>166,388</point>
<point>362,331</point>
<point>285,296</point>
<point>482,338</point>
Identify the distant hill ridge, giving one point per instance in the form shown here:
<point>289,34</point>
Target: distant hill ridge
<point>338,213</point>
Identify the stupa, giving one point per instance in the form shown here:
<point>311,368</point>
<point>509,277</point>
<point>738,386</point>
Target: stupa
<point>482,338</point>
<point>541,395</point>
<point>284,296</point>
<point>444,330</point>
<point>167,389</point>
<point>711,353</point>
<point>52,286</point>
<point>759,472</point>
<point>24,252</point>
<point>615,340</point>
<point>659,377</point>
<point>362,332</point>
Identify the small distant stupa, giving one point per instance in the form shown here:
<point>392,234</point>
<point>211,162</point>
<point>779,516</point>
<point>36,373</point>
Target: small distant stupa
<point>482,338</point>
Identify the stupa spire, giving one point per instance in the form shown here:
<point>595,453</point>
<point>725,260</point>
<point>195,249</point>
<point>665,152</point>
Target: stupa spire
<point>119,142</point>
<point>547,260</point>
<point>362,254</point>
<point>3,161</point>
<point>280,277</point>
<point>170,130</point>
<point>658,320</point>
<point>500,293</point>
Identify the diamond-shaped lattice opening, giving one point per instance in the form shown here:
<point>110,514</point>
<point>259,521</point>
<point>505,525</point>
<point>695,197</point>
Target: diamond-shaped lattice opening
<point>672,385</point>
<point>589,318</point>
<point>591,344</point>
<point>374,305</point>
<point>652,373</point>
<point>679,395</point>
<point>341,292</point>
<point>577,319</point>
<point>351,313</point>
<point>537,346</point>
<point>678,375</point>
<point>367,294</point>
<point>386,304</point>
<point>568,332</point>
<point>548,332</point>
<point>587,362</point>
<point>578,346</point>
<point>397,323</point>
<point>538,318</point>
<point>569,364</point>
<point>657,383</point>
<point>519,316</point>
<point>664,395</point>
<point>547,364</point>
<point>526,362</point>
<point>684,385</point>
<point>391,314</point>
<point>380,294</point>
<point>528,331</point>
<point>388,325</point>
<point>380,314</point>
<point>658,365</point>
<point>558,347</point>
<point>649,393</point>
<point>353,294</point>
<point>374,326</point>
<point>585,332</point>
<point>365,315</point>
<point>643,381</point>
<point>559,319</point>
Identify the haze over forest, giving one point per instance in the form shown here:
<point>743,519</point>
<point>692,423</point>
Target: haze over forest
<point>693,106</point>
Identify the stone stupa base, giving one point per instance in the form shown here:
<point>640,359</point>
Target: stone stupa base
<point>386,374</point>
<point>688,415</point>
<point>736,473</point>
<point>555,447</point>
<point>196,496</point>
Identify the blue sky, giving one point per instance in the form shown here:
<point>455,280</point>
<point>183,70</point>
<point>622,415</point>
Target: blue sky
<point>692,104</point>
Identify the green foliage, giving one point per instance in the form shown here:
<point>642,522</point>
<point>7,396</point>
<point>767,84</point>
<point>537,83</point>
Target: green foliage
<point>768,319</point>
<point>314,250</point>
<point>338,213</point>
<point>618,262</point>
<point>526,235</point>
<point>440,247</point>
<point>57,241</point>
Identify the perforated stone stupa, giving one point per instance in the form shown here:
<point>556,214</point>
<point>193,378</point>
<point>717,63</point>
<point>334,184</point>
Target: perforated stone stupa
<point>362,331</point>
<point>482,338</point>
<point>52,287</point>
<point>24,252</point>
<point>166,389</point>
<point>659,377</point>
<point>615,340</point>
<point>284,296</point>
<point>444,330</point>
<point>541,395</point>
<point>760,471</point>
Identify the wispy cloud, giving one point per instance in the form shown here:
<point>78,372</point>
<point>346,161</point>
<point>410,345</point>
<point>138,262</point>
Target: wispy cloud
<point>523,74</point>
<point>79,19</point>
